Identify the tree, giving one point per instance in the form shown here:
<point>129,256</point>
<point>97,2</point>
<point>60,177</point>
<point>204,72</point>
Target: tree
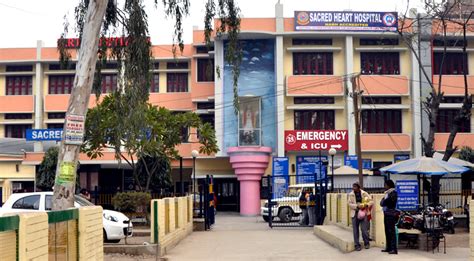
<point>438,15</point>
<point>467,154</point>
<point>148,143</point>
<point>95,19</point>
<point>47,170</point>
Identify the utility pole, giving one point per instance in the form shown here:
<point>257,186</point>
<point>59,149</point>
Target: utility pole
<point>355,98</point>
<point>65,181</point>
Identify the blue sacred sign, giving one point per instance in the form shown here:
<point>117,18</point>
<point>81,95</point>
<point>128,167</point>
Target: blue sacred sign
<point>407,194</point>
<point>44,134</point>
<point>401,157</point>
<point>280,176</point>
<point>351,160</point>
<point>346,21</point>
<point>307,166</point>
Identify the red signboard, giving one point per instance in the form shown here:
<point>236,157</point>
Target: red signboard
<point>313,140</point>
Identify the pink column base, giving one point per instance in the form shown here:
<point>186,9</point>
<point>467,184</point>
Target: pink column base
<point>249,197</point>
<point>249,164</point>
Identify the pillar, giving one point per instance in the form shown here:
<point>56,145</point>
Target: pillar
<point>249,164</point>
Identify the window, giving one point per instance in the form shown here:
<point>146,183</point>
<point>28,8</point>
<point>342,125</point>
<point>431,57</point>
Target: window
<point>176,82</point>
<point>453,99</point>
<point>18,116</point>
<point>57,67</point>
<point>452,63</point>
<point>205,105</point>
<point>314,120</point>
<point>207,118</point>
<point>314,100</point>
<point>381,121</point>
<point>177,65</point>
<point>312,63</point>
<point>16,130</point>
<point>19,68</point>
<point>30,202</point>
<point>19,85</point>
<point>60,84</point>
<point>312,41</point>
<point>155,83</point>
<point>56,115</point>
<point>446,119</point>
<point>204,49</point>
<point>381,100</point>
<point>376,41</point>
<point>449,42</point>
<point>156,65</point>
<point>205,70</point>
<point>184,135</point>
<point>48,203</point>
<point>55,125</point>
<point>109,83</point>
<point>380,63</point>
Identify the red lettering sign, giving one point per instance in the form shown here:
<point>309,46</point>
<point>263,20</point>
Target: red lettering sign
<point>314,140</point>
<point>109,42</point>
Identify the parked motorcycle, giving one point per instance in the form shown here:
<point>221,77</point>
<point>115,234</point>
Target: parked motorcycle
<point>410,221</point>
<point>446,218</point>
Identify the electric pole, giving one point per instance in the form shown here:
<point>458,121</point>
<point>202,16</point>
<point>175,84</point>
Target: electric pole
<point>68,157</point>
<point>355,98</point>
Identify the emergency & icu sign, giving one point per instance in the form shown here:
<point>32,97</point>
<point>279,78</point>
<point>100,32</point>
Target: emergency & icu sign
<point>313,140</point>
<point>346,21</point>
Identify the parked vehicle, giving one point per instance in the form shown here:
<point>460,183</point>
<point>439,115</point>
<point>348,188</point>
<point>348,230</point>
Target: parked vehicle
<point>287,207</point>
<point>116,225</point>
<point>446,219</point>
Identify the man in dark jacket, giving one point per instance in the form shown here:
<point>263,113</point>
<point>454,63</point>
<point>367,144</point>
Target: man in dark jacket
<point>390,217</point>
<point>303,202</point>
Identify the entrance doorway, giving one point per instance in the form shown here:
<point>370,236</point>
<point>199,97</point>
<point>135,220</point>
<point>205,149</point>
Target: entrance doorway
<point>227,194</point>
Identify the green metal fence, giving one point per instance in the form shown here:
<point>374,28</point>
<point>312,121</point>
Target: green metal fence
<point>63,235</point>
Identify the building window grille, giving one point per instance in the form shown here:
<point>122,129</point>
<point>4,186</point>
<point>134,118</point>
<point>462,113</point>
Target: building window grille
<point>205,70</point>
<point>314,120</point>
<point>16,130</point>
<point>312,64</point>
<point>387,63</point>
<point>177,82</point>
<point>381,121</point>
<point>19,85</point>
<point>452,63</point>
<point>445,121</point>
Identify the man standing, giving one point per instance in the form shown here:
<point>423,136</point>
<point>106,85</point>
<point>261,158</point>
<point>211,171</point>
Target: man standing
<point>359,203</point>
<point>390,217</point>
<point>303,202</point>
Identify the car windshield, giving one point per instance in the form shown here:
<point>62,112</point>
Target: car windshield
<point>293,192</point>
<point>82,201</point>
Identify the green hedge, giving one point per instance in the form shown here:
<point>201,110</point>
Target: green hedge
<point>131,201</point>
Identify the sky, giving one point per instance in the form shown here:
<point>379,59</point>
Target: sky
<point>23,22</point>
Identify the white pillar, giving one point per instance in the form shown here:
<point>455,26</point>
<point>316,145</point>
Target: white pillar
<point>219,96</point>
<point>280,81</point>
<point>416,104</point>
<point>349,69</point>
<point>38,146</point>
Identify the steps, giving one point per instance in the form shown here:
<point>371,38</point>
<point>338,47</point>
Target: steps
<point>336,236</point>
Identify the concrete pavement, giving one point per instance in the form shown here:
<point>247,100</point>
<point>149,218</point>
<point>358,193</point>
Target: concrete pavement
<point>249,238</point>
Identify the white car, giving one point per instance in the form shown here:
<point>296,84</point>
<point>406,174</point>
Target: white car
<point>287,207</point>
<point>116,225</point>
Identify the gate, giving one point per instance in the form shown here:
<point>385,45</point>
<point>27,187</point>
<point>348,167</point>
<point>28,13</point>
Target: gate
<point>204,202</point>
<point>285,206</point>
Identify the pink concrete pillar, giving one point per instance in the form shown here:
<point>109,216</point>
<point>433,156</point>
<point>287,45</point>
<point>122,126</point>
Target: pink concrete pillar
<point>249,164</point>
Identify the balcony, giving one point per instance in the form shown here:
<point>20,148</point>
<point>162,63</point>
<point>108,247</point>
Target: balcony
<point>59,102</point>
<point>314,85</point>
<point>17,104</point>
<point>175,101</point>
<point>379,142</point>
<point>390,85</point>
<point>454,84</point>
<point>462,139</point>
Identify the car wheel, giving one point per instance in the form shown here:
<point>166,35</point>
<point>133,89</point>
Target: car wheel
<point>285,215</point>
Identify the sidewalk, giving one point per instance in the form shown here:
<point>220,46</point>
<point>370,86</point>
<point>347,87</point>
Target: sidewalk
<point>243,238</point>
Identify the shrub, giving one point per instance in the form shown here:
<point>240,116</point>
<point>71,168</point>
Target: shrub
<point>131,201</point>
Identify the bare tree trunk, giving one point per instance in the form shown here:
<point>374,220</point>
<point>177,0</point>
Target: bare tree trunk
<point>64,186</point>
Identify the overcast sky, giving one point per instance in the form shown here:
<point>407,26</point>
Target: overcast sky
<point>22,22</point>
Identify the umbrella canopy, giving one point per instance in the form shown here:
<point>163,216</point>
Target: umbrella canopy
<point>424,166</point>
<point>454,160</point>
<point>348,170</point>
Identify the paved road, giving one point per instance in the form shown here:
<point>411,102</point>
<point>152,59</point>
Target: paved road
<point>243,238</point>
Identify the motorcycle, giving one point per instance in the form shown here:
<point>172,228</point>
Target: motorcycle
<point>410,221</point>
<point>446,218</point>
